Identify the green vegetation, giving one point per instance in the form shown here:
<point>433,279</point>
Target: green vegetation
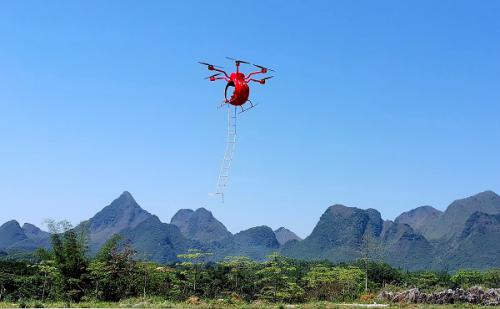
<point>220,304</point>
<point>67,275</point>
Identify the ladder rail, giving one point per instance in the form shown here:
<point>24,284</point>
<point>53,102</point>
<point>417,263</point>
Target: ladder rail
<point>227,161</point>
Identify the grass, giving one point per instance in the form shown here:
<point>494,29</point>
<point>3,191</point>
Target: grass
<point>215,304</point>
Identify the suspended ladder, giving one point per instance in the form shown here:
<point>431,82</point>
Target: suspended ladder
<point>228,154</point>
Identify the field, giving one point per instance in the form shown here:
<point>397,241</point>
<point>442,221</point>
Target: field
<point>158,303</point>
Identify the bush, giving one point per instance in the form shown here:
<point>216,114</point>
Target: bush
<point>38,304</point>
<point>466,278</point>
<point>368,297</point>
<point>491,278</point>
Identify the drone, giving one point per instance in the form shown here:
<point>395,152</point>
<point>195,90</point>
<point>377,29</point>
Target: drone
<point>238,81</point>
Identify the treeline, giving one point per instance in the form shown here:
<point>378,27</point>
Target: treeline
<point>67,273</point>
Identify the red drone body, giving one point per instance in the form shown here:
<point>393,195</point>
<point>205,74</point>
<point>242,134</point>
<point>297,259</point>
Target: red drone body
<point>238,81</point>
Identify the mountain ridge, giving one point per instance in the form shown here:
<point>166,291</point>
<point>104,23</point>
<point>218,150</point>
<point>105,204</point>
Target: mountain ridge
<point>284,235</point>
<point>200,225</point>
<point>339,235</point>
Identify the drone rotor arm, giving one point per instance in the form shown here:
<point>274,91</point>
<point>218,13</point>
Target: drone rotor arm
<point>260,81</point>
<point>216,77</point>
<point>210,67</point>
<point>238,61</point>
<point>221,71</point>
<point>256,80</point>
<point>248,78</point>
<point>263,68</point>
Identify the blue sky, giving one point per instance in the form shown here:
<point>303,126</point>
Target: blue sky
<point>375,104</point>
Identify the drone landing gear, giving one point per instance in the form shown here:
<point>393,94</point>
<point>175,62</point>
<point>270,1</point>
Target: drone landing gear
<point>222,104</point>
<point>243,109</point>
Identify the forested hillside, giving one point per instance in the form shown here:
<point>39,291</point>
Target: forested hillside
<point>465,235</point>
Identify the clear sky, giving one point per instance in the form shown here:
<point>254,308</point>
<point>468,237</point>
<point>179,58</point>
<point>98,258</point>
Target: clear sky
<point>375,104</point>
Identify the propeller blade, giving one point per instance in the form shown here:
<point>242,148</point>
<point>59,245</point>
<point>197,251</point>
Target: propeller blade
<point>208,64</point>
<point>212,76</point>
<point>262,67</point>
<point>236,60</point>
<point>269,77</point>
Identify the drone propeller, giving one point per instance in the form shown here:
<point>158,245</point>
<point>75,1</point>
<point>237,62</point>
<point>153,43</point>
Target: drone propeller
<point>209,65</point>
<point>238,61</point>
<point>212,76</point>
<point>263,68</point>
<point>263,81</point>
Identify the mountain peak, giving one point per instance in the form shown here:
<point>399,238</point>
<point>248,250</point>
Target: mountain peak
<point>125,201</point>
<point>488,194</point>
<point>183,214</point>
<point>123,213</point>
<point>450,223</point>
<point>203,210</point>
<point>487,198</point>
<point>284,235</point>
<point>421,219</point>
<point>339,206</point>
<point>258,236</point>
<point>199,225</point>
<point>11,233</point>
<point>456,215</point>
<point>29,228</point>
<point>340,209</point>
<point>126,198</point>
<point>12,224</point>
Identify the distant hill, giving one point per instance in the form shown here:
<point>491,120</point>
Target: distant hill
<point>453,220</point>
<point>122,214</point>
<point>256,243</point>
<point>476,246</point>
<point>404,247</point>
<point>11,234</point>
<point>284,235</point>
<point>340,236</point>
<point>422,219</point>
<point>465,235</point>
<point>337,235</point>
<point>200,225</point>
<point>157,241</point>
<point>436,225</point>
<point>35,234</point>
<point>27,238</point>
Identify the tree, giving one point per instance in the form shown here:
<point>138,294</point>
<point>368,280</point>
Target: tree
<point>427,279</point>
<point>278,280</point>
<point>19,280</point>
<point>492,278</point>
<point>369,250</point>
<point>322,282</point>
<point>113,271</point>
<point>48,269</point>
<point>467,278</point>
<point>194,261</point>
<point>350,279</point>
<point>163,281</point>
<point>380,273</point>
<point>69,247</point>
<point>238,266</point>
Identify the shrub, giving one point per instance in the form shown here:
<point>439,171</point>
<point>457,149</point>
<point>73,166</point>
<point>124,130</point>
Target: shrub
<point>491,278</point>
<point>466,278</point>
